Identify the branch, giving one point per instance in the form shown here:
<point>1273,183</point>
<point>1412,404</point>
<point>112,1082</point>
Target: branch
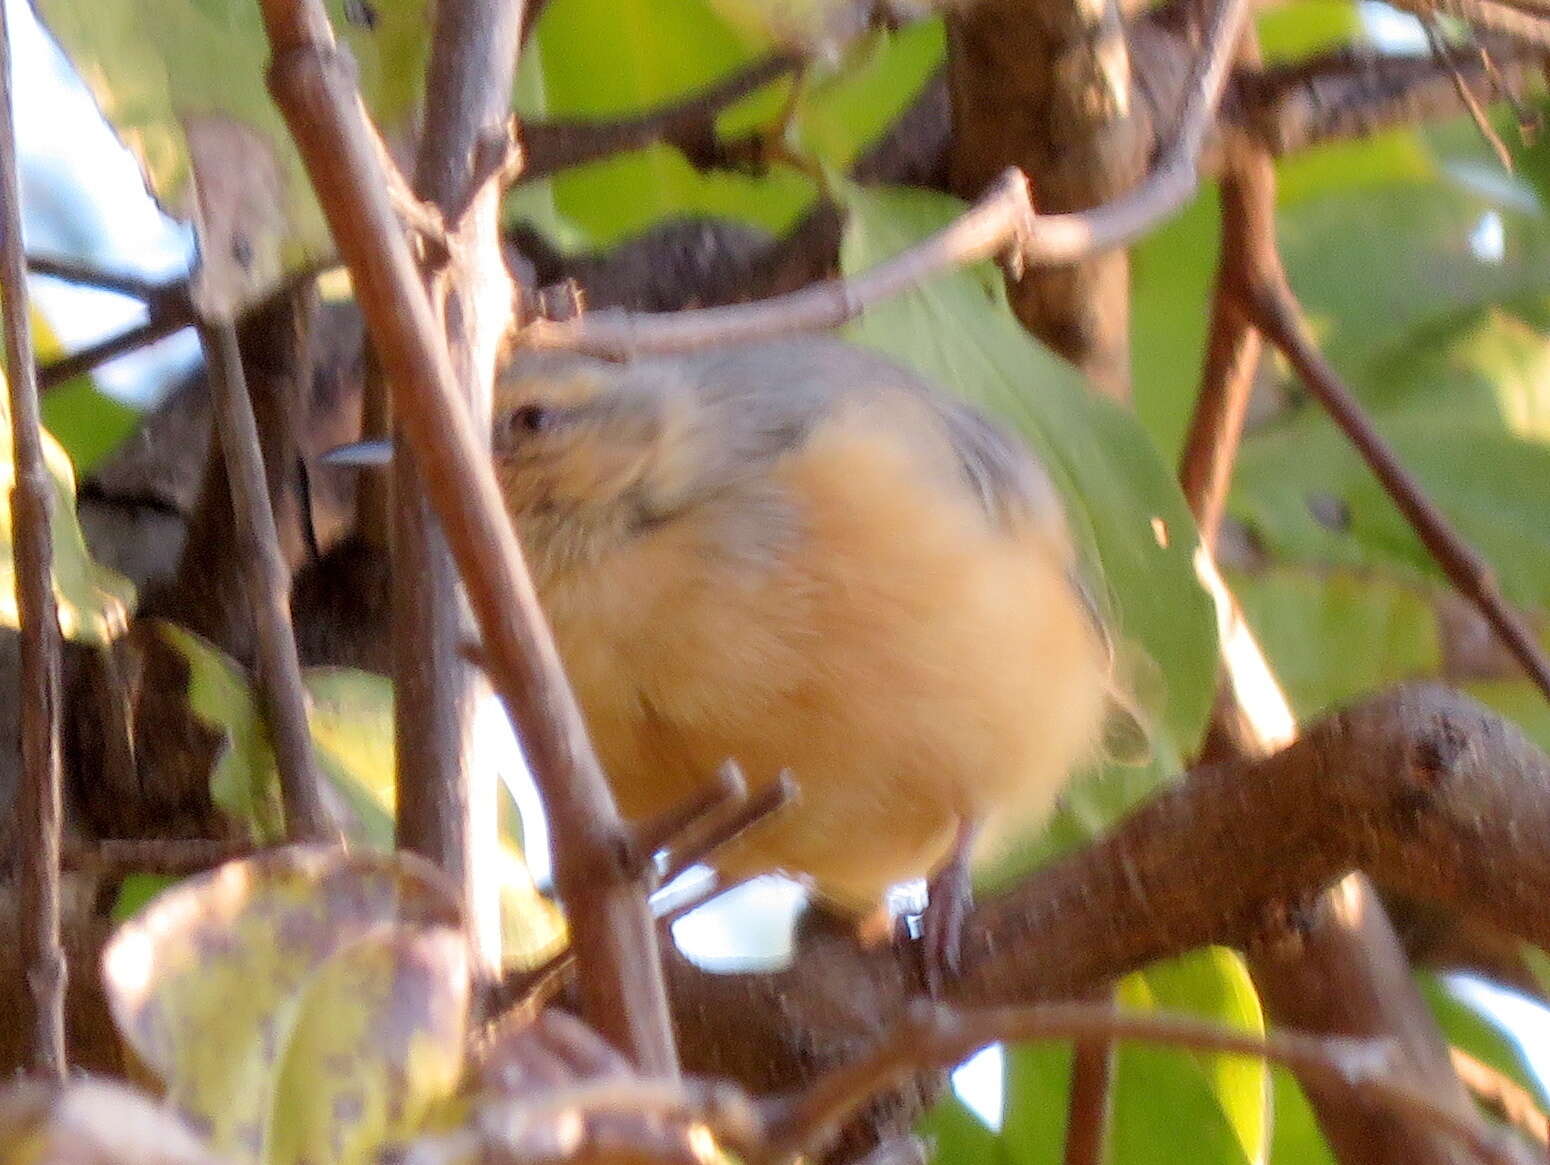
<point>1349,95</point>
<point>611,926</point>
<point>172,856</point>
<point>1277,314</point>
<point>1336,966</point>
<point>267,581</point>
<point>448,803</point>
<point>83,274</point>
<point>1003,222</point>
<point>933,1035</point>
<point>689,123</point>
<point>158,327</point>
<point>1421,787</point>
<point>32,496</point>
<point>1504,1096</point>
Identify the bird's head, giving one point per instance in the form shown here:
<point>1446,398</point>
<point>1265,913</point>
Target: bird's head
<point>589,453</point>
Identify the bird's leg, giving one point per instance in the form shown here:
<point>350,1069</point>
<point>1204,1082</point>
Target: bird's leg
<point>949,895</point>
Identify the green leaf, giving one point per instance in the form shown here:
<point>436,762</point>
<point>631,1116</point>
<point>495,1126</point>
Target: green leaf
<point>959,1136</point>
<point>1124,505</point>
<point>1037,1093</point>
<point>1404,260</point>
<point>219,694</point>
<point>305,1004</point>
<point>1494,487</point>
<point>1172,272</point>
<point>135,891</point>
<point>87,424</point>
<point>1172,1105</point>
<point>1333,635</point>
<point>158,67</point>
<point>350,714</point>
<point>94,602</point>
<point>605,58</point>
<point>1539,964</point>
<point>1298,1140</point>
<point>1312,26</point>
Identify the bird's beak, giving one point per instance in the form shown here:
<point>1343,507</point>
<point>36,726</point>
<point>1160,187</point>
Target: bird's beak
<point>359,454</point>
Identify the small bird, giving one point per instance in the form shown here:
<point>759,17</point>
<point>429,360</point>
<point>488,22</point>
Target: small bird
<point>798,555</point>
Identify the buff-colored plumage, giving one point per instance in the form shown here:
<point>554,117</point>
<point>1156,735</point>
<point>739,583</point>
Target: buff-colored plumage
<point>797,555</point>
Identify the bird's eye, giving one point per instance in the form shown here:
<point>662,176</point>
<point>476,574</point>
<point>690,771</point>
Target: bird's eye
<point>530,419</point>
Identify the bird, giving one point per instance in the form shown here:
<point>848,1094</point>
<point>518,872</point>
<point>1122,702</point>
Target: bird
<point>796,554</point>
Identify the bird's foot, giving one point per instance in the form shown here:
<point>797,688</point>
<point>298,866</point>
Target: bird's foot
<point>949,897</point>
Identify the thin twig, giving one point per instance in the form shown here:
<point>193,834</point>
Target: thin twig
<point>1503,1096</point>
<point>267,580</point>
<point>1278,315</point>
<point>1232,346</point>
<point>131,339</point>
<point>722,829</point>
<point>1003,222</point>
<point>622,989</point>
<point>171,856</point>
<point>1090,1103</point>
<point>32,496</point>
<point>654,835</point>
<point>84,274</point>
<point>687,123</point>
<point>933,1035</point>
<point>1444,54</point>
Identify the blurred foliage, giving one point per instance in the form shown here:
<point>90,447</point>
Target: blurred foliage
<point>307,1004</point>
<point>94,602</point>
<point>350,714</point>
<point>156,67</point>
<point>1168,1105</point>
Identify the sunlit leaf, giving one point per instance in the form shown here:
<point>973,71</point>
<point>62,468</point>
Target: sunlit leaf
<point>305,996</point>
<point>1172,1105</point>
<point>157,67</point>
<point>220,696</point>
<point>94,602</point>
<point>375,1047</point>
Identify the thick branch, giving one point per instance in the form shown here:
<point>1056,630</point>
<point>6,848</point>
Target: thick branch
<point>1350,95</point>
<point>447,807</point>
<point>31,500</point>
<point>1421,787</point>
<point>611,925</point>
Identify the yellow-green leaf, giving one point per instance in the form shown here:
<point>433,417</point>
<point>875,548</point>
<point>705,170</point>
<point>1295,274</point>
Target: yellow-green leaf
<point>350,714</point>
<point>220,987</point>
<point>377,1045</point>
<point>94,602</point>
